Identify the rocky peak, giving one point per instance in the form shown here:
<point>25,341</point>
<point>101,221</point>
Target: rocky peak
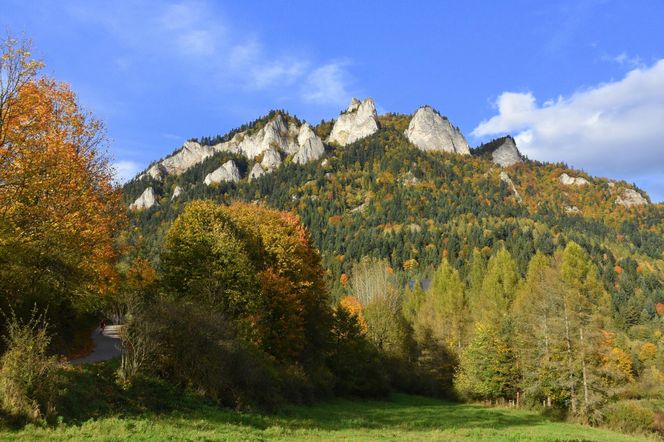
<point>429,131</point>
<point>278,135</point>
<point>228,172</point>
<point>573,181</point>
<point>145,201</point>
<point>311,146</point>
<point>189,154</point>
<point>506,154</point>
<point>360,120</point>
<point>631,198</point>
<point>354,105</point>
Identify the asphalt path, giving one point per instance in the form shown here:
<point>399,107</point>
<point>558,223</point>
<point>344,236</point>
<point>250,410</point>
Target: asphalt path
<point>106,346</point>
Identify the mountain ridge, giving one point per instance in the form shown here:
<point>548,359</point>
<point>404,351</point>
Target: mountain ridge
<point>279,137</point>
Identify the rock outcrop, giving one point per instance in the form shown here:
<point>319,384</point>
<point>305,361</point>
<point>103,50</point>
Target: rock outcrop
<point>358,121</point>
<point>256,172</point>
<point>228,172</point>
<point>631,198</point>
<point>190,154</point>
<point>506,154</point>
<point>429,131</point>
<point>506,179</point>
<point>145,201</point>
<point>311,146</point>
<point>573,181</point>
<point>176,192</point>
<point>271,160</point>
<point>276,137</point>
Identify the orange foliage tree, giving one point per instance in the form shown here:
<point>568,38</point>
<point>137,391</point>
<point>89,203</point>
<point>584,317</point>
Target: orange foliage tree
<point>59,209</point>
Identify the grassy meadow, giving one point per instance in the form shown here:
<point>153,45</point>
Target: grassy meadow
<point>401,418</point>
<point>95,408</point>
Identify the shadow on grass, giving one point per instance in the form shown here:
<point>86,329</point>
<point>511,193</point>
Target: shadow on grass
<point>93,394</point>
<point>404,413</point>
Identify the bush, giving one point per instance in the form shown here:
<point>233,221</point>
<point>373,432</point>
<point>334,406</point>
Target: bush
<point>200,349</point>
<point>29,378</point>
<point>630,416</point>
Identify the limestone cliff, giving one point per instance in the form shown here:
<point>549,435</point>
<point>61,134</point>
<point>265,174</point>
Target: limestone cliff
<point>228,172</point>
<point>145,201</point>
<point>358,121</point>
<point>429,131</point>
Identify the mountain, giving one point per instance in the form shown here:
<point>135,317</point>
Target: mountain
<point>409,189</point>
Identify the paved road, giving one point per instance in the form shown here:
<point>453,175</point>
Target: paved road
<point>107,346</point>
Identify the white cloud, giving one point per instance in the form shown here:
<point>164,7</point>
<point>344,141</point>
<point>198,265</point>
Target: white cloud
<point>282,72</point>
<point>614,129</point>
<point>195,37</point>
<point>624,59</point>
<point>125,170</point>
<point>326,85</point>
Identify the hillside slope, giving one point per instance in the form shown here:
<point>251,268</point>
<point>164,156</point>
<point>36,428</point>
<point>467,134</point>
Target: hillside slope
<point>382,196</point>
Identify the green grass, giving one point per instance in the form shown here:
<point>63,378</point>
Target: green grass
<point>94,409</point>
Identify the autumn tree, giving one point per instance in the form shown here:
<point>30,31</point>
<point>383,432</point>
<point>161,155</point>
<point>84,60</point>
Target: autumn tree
<point>498,288</point>
<point>374,284</point>
<point>487,368</point>
<point>206,261</point>
<point>295,322</point>
<point>257,266</point>
<point>59,208</point>
<point>536,315</point>
<point>585,309</point>
<point>561,313</point>
<point>443,314</point>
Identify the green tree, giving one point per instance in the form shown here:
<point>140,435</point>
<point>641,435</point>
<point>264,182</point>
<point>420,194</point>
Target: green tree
<point>498,288</point>
<point>585,306</point>
<point>535,311</point>
<point>205,261</point>
<point>487,369</point>
<point>443,314</point>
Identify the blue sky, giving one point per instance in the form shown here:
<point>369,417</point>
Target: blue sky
<point>574,81</point>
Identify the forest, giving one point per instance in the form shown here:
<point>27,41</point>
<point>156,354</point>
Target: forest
<point>380,270</point>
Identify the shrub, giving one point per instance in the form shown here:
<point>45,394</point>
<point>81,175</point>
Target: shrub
<point>28,376</point>
<point>630,416</point>
<point>200,349</point>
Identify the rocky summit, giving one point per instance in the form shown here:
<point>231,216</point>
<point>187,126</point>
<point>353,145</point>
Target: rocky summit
<point>277,138</point>
<point>430,131</point>
<point>189,154</point>
<point>275,142</point>
<point>507,154</point>
<point>311,146</point>
<point>358,121</point>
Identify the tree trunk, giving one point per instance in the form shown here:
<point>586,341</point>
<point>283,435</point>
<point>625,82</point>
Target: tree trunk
<point>569,358</point>
<point>583,362</point>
